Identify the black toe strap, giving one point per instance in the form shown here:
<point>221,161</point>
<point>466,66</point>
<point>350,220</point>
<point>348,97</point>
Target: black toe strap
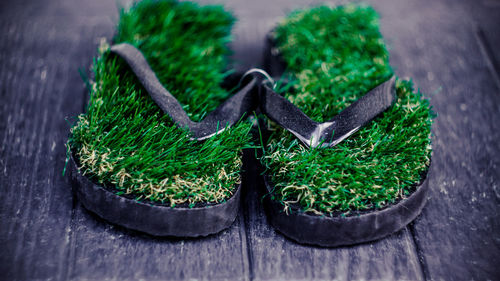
<point>329,133</point>
<point>254,94</point>
<point>227,114</point>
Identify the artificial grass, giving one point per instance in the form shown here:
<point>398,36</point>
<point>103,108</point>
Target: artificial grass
<point>333,57</point>
<point>124,140</point>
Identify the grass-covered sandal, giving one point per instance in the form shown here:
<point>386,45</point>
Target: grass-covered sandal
<point>164,163</point>
<point>322,186</point>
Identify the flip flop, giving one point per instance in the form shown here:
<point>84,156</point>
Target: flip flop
<point>341,179</point>
<point>164,162</point>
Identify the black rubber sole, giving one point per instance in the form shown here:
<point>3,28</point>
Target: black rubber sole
<point>340,231</point>
<point>331,231</point>
<point>154,219</point>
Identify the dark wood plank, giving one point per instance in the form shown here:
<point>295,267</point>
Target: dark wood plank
<point>42,46</point>
<point>486,16</point>
<point>458,232</point>
<point>101,250</point>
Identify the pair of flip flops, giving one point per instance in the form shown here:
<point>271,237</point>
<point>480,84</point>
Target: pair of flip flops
<point>150,205</point>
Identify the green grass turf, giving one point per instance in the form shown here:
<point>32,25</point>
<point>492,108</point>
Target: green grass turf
<point>124,139</point>
<point>334,56</point>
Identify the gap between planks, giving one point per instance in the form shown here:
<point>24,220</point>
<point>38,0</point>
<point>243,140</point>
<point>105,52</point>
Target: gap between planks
<point>424,270</point>
<point>487,53</point>
<point>246,247</point>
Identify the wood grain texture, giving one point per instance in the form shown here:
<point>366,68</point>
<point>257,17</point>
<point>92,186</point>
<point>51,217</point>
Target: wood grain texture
<point>458,233</point>
<point>40,52</point>
<point>99,250</point>
<point>46,234</point>
<point>486,18</point>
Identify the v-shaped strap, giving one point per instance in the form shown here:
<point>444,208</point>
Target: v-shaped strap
<point>225,115</point>
<point>256,94</point>
<point>329,133</point>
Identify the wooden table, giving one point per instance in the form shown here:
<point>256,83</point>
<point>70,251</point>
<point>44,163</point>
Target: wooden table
<point>449,48</point>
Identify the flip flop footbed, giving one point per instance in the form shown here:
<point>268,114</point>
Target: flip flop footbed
<point>334,56</point>
<point>124,140</point>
